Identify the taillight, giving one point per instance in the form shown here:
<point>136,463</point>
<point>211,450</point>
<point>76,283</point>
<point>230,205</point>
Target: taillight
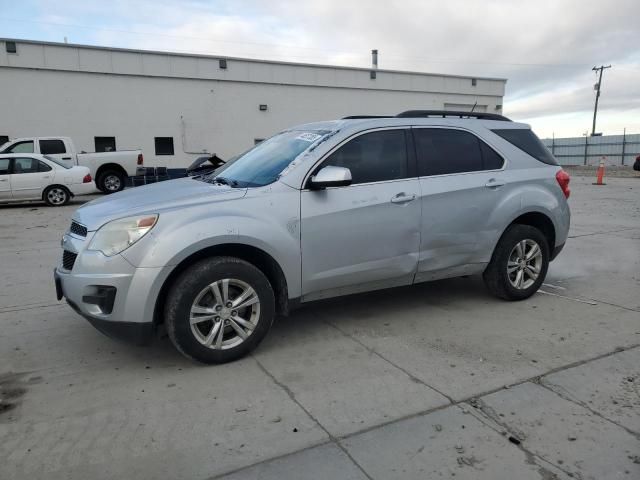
<point>563,179</point>
<point>87,178</point>
<point>140,159</point>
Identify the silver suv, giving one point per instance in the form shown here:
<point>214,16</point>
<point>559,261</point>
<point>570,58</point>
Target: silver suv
<point>317,211</point>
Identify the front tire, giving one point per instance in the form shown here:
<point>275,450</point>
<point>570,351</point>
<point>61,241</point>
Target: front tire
<point>56,196</point>
<point>219,310</point>
<point>111,181</point>
<point>519,263</point>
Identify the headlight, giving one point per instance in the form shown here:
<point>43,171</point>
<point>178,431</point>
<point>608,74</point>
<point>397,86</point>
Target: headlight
<point>118,235</point>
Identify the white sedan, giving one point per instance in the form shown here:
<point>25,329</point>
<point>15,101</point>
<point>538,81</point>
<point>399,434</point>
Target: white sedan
<point>28,177</point>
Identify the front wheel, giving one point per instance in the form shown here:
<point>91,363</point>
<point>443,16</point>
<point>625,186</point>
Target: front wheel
<point>219,310</point>
<point>519,263</point>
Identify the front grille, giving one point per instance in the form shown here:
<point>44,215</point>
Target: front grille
<point>68,259</point>
<point>78,229</point>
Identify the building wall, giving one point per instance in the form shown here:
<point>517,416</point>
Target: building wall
<point>83,92</point>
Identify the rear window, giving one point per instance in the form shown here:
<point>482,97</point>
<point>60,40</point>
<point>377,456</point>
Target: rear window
<point>527,141</point>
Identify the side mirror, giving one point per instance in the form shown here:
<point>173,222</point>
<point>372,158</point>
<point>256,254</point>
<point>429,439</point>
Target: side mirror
<point>331,177</point>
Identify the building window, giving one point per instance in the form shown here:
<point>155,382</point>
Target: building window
<point>164,145</point>
<point>372,74</point>
<point>11,47</point>
<point>256,141</point>
<point>4,139</point>
<point>105,144</point>
<point>474,82</point>
<point>223,63</point>
<point>263,107</point>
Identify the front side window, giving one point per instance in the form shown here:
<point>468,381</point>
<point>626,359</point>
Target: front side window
<point>52,147</point>
<point>443,151</point>
<point>21,147</point>
<point>373,157</point>
<point>25,165</point>
<point>105,144</point>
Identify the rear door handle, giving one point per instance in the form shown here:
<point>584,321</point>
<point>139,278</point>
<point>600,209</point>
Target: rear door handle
<point>4,180</point>
<point>403,198</point>
<point>495,183</point>
<point>66,158</point>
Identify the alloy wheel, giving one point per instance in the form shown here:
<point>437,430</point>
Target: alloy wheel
<point>112,183</point>
<point>224,314</point>
<point>524,264</point>
<point>57,196</point>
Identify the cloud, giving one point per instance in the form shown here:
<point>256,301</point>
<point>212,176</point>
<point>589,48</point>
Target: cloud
<point>546,48</point>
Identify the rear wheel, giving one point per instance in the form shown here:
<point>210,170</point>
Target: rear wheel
<point>111,181</point>
<point>56,196</point>
<point>219,309</point>
<point>519,263</point>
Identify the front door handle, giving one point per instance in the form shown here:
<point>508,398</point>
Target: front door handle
<point>4,180</point>
<point>66,158</point>
<point>495,183</point>
<point>403,198</point>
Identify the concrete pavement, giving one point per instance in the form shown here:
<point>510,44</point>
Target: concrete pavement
<point>404,383</point>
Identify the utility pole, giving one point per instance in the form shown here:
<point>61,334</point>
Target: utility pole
<point>595,109</point>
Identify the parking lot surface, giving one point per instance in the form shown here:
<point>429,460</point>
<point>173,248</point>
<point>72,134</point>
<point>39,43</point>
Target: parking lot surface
<point>430,381</point>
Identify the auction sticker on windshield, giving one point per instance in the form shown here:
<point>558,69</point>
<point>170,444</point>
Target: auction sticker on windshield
<point>308,137</point>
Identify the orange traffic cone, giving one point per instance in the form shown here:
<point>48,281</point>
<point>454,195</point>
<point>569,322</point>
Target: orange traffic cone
<point>600,173</point>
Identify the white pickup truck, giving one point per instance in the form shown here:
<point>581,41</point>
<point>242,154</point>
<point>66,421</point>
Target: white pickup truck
<point>109,169</point>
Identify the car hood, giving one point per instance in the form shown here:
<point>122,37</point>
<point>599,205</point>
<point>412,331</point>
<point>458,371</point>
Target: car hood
<point>154,198</point>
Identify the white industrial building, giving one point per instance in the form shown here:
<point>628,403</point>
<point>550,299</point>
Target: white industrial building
<point>175,106</point>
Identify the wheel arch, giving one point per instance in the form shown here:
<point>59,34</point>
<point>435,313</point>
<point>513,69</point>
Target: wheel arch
<point>111,166</point>
<point>253,255</point>
<point>53,185</point>
<point>542,222</point>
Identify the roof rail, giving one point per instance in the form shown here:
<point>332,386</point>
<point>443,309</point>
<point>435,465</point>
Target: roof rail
<point>361,117</point>
<point>447,113</point>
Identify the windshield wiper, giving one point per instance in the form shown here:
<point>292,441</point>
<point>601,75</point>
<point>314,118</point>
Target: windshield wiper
<point>225,181</point>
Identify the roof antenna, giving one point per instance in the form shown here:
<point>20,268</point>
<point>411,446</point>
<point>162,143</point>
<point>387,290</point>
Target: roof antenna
<point>474,106</point>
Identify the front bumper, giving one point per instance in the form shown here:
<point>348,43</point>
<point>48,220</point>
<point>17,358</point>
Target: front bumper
<point>119,300</point>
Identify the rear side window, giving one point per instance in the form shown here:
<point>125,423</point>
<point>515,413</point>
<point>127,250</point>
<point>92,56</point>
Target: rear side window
<point>43,167</point>
<point>52,147</point>
<point>444,151</point>
<point>527,141</point>
<point>373,157</point>
<point>25,165</point>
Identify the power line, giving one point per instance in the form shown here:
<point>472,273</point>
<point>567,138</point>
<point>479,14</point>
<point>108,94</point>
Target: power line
<point>601,68</point>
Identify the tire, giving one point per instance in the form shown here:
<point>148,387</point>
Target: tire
<point>501,275</point>
<point>56,196</point>
<point>194,289</point>
<point>111,181</point>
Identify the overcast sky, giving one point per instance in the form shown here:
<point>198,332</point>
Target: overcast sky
<point>545,48</point>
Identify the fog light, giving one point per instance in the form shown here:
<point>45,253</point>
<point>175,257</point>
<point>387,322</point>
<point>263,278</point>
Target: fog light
<point>103,296</point>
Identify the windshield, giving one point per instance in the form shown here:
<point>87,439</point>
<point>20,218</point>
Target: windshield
<point>56,161</point>
<point>264,163</point>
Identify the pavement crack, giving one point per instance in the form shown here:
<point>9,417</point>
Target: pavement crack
<point>379,355</point>
<point>602,232</point>
<point>491,419</point>
<point>562,393</point>
<point>293,398</point>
